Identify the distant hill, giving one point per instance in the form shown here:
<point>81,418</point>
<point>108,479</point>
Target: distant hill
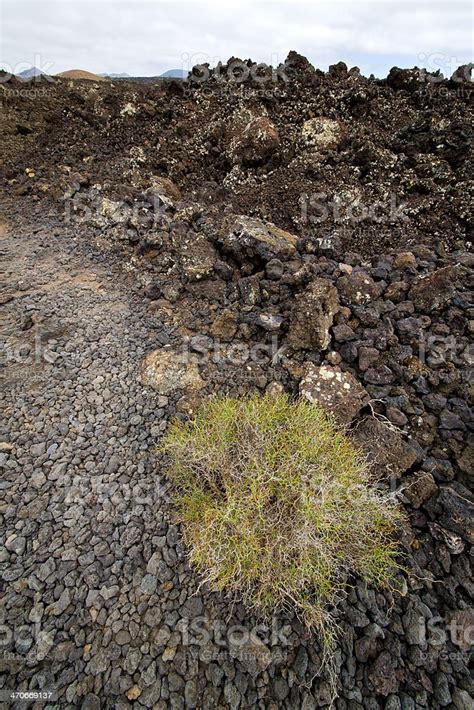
<point>170,74</point>
<point>31,73</point>
<point>124,75</point>
<point>174,74</point>
<point>80,74</point>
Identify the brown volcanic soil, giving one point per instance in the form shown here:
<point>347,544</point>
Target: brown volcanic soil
<point>403,141</point>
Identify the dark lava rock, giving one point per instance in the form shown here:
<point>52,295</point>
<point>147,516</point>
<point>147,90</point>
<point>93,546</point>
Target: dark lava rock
<point>382,674</point>
<point>358,288</point>
<point>458,513</point>
<point>449,420</point>
<point>342,333</point>
<point>419,487</point>
<point>379,375</point>
<point>367,357</point>
<point>389,453</point>
<point>274,269</point>
<point>312,316</point>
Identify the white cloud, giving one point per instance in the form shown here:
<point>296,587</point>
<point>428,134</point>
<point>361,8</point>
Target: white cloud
<point>146,37</point>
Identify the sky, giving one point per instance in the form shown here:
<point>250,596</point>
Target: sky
<point>148,37</point>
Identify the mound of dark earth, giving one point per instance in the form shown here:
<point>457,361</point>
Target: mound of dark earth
<point>365,163</point>
<point>289,230</point>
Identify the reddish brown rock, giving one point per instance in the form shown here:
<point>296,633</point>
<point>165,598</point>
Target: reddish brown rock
<point>419,488</point>
<point>255,142</point>
<point>382,674</point>
<point>436,290</point>
<point>225,325</point>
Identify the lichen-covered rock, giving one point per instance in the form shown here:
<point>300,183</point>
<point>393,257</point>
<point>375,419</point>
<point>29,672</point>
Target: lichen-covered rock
<point>357,288</point>
<point>453,542</point>
<point>197,256</point>
<point>113,212</point>
<point>336,391</point>
<point>312,315</point>
<point>168,370</point>
<point>247,238</point>
<point>322,133</point>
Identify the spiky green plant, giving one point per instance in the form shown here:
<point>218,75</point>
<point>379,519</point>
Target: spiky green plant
<point>277,506</point>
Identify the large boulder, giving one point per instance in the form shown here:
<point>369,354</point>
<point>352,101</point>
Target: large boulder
<point>249,137</point>
<point>254,142</point>
<point>436,290</point>
<point>336,391</point>
<point>246,238</point>
<point>312,315</point>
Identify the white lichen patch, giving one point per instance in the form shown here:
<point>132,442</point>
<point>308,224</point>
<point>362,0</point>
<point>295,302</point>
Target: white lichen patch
<point>322,133</point>
<point>129,109</point>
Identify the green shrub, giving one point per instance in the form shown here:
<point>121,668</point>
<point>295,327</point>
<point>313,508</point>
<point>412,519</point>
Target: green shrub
<point>277,507</point>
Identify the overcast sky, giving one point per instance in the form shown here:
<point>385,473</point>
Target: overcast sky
<point>147,37</point>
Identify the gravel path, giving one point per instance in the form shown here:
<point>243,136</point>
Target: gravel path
<point>81,493</point>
